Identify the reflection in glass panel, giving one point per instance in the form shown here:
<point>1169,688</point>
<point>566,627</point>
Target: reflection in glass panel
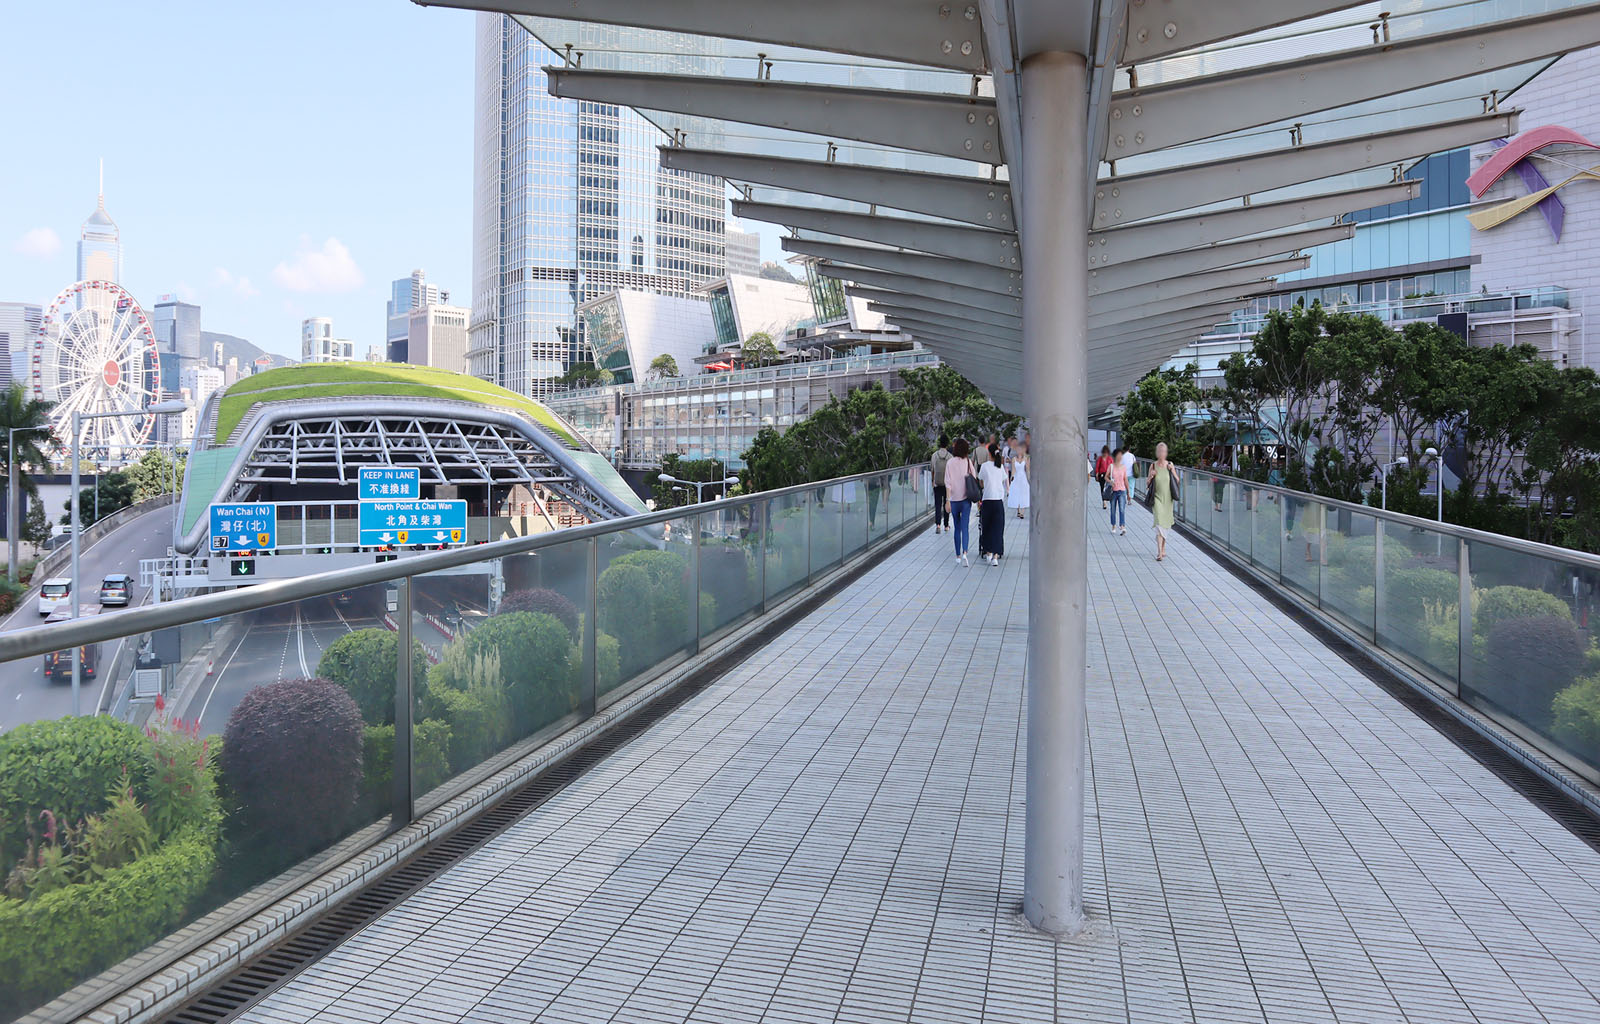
<point>1302,542</point>
<point>645,600</point>
<point>787,559</point>
<point>730,567</point>
<point>1348,563</point>
<point>1421,598</point>
<point>827,523</point>
<point>1266,542</point>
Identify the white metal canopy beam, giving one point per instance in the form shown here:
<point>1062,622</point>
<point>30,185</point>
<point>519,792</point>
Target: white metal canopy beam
<point>1213,311</point>
<point>915,298</point>
<point>1161,116</point>
<point>921,286</point>
<point>956,241</point>
<point>1153,294</point>
<point>1238,292</point>
<point>963,272</point>
<point>925,122</point>
<point>1153,238</point>
<point>1135,197</point>
<point>1194,261</point>
<point>971,200</point>
<point>1157,28</point>
<point>1008,336</point>
<point>980,321</point>
<point>1189,322</point>
<point>912,31</point>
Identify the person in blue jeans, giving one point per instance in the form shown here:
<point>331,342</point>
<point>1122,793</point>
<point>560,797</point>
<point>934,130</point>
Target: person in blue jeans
<point>956,472</point>
<point>1119,495</point>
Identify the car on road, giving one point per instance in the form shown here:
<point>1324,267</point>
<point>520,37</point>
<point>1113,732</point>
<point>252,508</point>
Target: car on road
<point>116,588</point>
<point>56,593</point>
<point>58,664</point>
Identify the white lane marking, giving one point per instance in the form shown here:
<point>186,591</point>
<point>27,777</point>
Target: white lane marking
<point>300,641</point>
<point>216,678</point>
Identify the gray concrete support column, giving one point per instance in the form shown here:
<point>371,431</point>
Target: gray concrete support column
<point>1055,354</point>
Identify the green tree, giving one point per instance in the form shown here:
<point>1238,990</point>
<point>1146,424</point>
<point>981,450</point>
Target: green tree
<point>675,465</point>
<point>112,492</point>
<point>36,527</point>
<point>155,473</point>
<point>1347,361</point>
<point>1153,412</point>
<point>759,349</point>
<point>663,365</point>
<point>1281,370</point>
<point>19,409</point>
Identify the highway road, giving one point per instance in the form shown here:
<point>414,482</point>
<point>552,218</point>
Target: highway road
<point>25,696</point>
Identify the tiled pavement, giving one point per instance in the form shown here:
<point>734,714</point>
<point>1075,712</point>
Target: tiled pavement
<point>834,832</point>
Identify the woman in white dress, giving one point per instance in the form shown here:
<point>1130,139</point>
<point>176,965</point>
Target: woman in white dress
<point>1017,497</point>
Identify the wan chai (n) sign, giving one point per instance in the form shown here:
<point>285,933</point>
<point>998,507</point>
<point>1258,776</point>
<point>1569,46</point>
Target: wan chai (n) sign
<point>244,527</point>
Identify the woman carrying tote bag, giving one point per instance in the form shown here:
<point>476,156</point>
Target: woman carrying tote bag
<point>956,474</point>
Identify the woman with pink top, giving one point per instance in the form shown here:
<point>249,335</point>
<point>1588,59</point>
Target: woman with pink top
<point>956,472</point>
<point>1119,494</point>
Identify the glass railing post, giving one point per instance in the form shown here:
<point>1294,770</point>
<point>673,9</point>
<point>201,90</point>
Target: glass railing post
<point>764,518</point>
<point>807,503</point>
<point>404,801</point>
<point>1322,549</point>
<point>1283,531</point>
<point>843,519</point>
<point>1463,617</point>
<point>1379,605</point>
<point>589,685</point>
<point>694,583</point>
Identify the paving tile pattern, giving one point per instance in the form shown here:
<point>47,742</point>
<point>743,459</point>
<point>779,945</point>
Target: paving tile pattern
<point>834,832</point>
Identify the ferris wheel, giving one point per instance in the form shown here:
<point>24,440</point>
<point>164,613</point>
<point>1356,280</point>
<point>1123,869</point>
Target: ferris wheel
<point>96,353</point>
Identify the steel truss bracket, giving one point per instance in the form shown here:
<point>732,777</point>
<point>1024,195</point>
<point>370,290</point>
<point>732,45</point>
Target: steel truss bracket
<point>962,127</point>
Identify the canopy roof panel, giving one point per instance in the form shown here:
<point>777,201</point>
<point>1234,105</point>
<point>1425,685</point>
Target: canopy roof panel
<point>885,135</point>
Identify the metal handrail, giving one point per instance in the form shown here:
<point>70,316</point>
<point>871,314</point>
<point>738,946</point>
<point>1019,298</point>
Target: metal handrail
<point>37,640</point>
<point>1527,547</point>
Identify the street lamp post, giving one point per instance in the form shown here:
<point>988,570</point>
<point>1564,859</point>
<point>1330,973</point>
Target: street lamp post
<point>1438,480</point>
<point>699,494</point>
<point>13,508</point>
<point>74,596</point>
<point>1383,471</point>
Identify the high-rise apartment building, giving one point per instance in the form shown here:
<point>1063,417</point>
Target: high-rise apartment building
<point>318,345</point>
<point>200,381</point>
<point>408,294</point>
<point>744,253</point>
<point>177,328</point>
<point>570,202</point>
<point>20,324</point>
<point>437,336</point>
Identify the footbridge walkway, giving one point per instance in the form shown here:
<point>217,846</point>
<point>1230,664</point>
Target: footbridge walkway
<point>833,831</point>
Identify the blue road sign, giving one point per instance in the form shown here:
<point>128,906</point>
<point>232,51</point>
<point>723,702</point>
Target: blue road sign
<point>244,527</point>
<point>412,523</point>
<point>390,483</point>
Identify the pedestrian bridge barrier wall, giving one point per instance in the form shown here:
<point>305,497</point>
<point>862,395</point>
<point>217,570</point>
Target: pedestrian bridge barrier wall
<point>1505,633</point>
<point>364,713</point>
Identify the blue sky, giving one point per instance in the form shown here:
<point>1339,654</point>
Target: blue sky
<point>268,162</point>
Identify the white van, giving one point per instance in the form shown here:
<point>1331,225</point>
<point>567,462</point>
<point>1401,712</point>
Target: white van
<point>56,593</point>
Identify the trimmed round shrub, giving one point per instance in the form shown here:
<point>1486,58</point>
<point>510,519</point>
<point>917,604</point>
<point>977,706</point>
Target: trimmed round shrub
<point>70,767</point>
<point>625,612</point>
<point>1528,661</point>
<point>1575,718</point>
<point>363,663</point>
<point>291,758</point>
<point>479,718</point>
<point>608,662</point>
<point>543,601</point>
<point>1409,592</point>
<point>1499,603</point>
<point>533,649</point>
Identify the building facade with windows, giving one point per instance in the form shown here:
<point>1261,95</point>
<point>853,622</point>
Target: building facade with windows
<point>744,252</point>
<point>436,335</point>
<point>569,203</point>
<point>100,246</point>
<point>406,295</point>
<point>20,324</point>
<point>318,345</point>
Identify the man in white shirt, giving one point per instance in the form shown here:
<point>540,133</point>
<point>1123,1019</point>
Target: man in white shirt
<point>1128,464</point>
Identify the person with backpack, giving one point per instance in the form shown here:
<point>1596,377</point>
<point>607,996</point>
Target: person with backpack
<point>941,506</point>
<point>957,472</point>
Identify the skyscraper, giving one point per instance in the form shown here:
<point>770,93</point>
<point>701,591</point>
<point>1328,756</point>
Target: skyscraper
<point>744,253</point>
<point>100,243</point>
<point>437,337</point>
<point>20,323</point>
<point>318,345</point>
<point>569,202</point>
<point>407,294</point>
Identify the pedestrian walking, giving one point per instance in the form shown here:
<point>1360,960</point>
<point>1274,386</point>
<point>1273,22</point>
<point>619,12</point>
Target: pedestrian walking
<point>992,511</point>
<point>1119,494</point>
<point>956,474</point>
<point>941,507</point>
<point>1018,496</point>
<point>1163,483</point>
<point>1130,465</point>
<point>1102,470</point>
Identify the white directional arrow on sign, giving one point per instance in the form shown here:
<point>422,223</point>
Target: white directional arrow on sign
<point>440,536</point>
<point>244,541</point>
<point>386,537</point>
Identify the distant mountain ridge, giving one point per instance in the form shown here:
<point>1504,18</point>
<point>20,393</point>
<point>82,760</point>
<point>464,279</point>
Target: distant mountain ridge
<point>235,347</point>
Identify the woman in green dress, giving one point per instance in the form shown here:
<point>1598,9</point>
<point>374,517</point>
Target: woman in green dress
<point>1163,482</point>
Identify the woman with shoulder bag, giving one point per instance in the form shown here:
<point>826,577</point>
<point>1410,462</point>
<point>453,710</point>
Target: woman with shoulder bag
<point>1162,485</point>
<point>957,474</point>
<point>992,511</point>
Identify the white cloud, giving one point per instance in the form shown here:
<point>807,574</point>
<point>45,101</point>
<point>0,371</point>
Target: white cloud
<point>40,243</point>
<point>329,268</point>
<point>240,285</point>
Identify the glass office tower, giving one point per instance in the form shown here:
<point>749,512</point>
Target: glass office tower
<point>569,202</point>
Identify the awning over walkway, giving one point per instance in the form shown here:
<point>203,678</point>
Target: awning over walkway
<point>1225,136</point>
